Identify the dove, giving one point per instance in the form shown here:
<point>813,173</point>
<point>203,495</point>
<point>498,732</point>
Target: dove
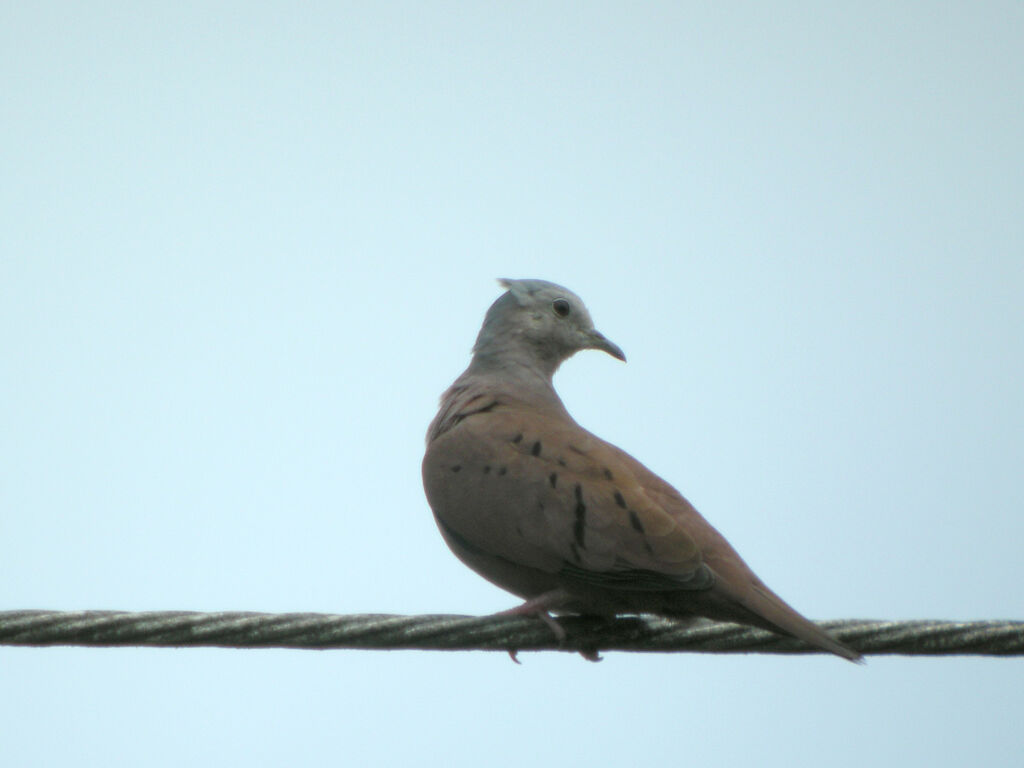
<point>544,509</point>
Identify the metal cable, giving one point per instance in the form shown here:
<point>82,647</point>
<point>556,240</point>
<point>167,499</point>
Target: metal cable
<point>490,633</point>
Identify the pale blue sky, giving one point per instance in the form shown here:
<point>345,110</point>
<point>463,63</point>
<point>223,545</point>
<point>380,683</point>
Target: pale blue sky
<point>244,247</point>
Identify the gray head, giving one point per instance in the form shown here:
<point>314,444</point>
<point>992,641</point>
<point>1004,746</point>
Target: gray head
<point>538,323</point>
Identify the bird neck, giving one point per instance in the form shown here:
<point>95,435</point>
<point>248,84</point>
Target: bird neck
<point>520,374</point>
<point>520,364</point>
<point>505,382</point>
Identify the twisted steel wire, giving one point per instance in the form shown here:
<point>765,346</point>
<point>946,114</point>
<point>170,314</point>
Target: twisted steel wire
<point>492,633</point>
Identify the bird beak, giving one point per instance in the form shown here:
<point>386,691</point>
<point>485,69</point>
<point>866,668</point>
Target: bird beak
<point>597,340</point>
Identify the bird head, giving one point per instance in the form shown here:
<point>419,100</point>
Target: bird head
<point>543,322</point>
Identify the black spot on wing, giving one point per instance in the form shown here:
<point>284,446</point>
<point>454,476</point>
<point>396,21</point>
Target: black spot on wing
<point>553,479</point>
<point>608,473</point>
<point>457,418</point>
<point>456,468</point>
<point>619,500</point>
<point>579,527</point>
<point>487,469</point>
<point>518,438</point>
<point>535,450</point>
<point>502,470</point>
<point>635,522</point>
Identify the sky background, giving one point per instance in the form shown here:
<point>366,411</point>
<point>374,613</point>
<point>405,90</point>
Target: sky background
<point>245,246</point>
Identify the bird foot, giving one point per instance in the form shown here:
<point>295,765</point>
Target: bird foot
<point>539,607</point>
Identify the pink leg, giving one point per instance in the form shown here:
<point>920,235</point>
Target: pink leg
<point>539,607</point>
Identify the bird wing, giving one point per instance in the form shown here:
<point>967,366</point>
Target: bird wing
<point>535,488</point>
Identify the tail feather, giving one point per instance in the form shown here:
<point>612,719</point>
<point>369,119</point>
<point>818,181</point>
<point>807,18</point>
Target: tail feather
<point>758,606</point>
<point>781,617</point>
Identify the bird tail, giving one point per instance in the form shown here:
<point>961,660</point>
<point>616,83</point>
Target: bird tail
<point>760,607</point>
<point>777,615</point>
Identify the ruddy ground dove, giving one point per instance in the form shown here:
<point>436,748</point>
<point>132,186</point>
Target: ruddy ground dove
<point>544,509</point>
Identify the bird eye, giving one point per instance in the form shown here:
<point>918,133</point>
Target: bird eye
<point>561,307</point>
